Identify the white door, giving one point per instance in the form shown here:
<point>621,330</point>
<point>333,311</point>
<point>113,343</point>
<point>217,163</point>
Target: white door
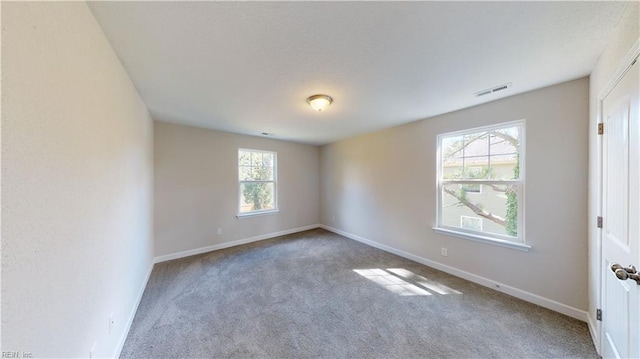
<point>621,218</point>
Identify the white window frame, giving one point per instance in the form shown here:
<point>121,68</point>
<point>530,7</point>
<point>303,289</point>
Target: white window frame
<point>274,181</point>
<point>484,237</point>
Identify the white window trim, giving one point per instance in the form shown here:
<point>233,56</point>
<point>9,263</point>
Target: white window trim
<point>257,213</point>
<point>483,239</point>
<point>489,238</point>
<point>264,212</point>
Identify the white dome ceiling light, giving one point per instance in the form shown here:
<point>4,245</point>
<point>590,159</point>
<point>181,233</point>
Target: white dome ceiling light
<point>319,102</point>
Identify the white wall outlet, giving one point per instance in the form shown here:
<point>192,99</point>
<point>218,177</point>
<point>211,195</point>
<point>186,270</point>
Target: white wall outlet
<point>333,218</point>
<point>443,251</point>
<point>219,231</point>
<point>112,322</point>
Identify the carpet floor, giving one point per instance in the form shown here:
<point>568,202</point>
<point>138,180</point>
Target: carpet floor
<point>316,294</point>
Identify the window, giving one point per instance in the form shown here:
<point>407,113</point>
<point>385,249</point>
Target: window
<point>473,223</point>
<point>481,184</point>
<point>257,182</point>
<point>472,188</point>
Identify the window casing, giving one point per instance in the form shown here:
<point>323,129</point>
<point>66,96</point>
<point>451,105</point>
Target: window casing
<point>257,182</point>
<point>480,184</point>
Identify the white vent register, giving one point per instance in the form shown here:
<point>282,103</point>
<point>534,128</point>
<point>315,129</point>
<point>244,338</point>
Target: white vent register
<point>493,90</point>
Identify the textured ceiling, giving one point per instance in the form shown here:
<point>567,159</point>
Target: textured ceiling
<point>247,67</point>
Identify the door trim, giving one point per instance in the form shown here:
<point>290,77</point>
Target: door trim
<point>595,327</point>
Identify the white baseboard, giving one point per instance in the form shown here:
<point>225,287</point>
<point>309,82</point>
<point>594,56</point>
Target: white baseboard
<point>512,291</point>
<point>132,314</point>
<point>215,247</point>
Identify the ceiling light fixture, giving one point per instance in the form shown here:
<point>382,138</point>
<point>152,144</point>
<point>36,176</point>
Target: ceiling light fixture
<point>319,102</point>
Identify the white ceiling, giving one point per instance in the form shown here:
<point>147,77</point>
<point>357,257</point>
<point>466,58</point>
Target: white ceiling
<point>247,67</point>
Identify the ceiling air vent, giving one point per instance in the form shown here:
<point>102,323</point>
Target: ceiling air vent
<point>493,89</point>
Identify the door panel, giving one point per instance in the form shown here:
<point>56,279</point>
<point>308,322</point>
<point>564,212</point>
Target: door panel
<point>617,297</point>
<point>621,216</point>
<point>617,180</point>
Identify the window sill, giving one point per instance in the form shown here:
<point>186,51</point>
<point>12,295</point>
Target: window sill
<point>256,214</point>
<point>483,239</point>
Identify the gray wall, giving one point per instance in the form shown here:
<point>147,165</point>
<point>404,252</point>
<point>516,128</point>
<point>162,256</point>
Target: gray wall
<point>382,186</point>
<point>196,188</point>
<point>76,184</point>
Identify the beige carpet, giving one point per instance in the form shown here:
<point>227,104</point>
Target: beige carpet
<point>316,294</point>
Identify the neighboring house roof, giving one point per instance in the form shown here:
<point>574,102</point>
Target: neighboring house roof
<point>477,151</point>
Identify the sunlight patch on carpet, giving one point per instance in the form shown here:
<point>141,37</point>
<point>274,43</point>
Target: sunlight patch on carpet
<point>391,282</point>
<point>427,283</point>
<point>404,282</point>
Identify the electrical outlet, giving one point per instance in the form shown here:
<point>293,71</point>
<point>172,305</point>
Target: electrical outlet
<point>219,231</point>
<point>443,251</point>
<point>111,323</point>
<point>333,218</point>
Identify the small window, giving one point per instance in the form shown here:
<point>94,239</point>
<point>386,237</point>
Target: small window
<point>257,182</point>
<point>472,188</point>
<point>481,183</point>
<point>473,223</point>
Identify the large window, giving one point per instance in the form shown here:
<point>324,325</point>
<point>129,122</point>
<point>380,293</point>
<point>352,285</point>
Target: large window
<point>257,182</point>
<point>481,183</point>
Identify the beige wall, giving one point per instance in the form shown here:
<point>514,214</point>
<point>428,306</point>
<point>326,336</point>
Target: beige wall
<point>623,38</point>
<point>76,177</point>
<point>196,188</point>
<point>382,186</point>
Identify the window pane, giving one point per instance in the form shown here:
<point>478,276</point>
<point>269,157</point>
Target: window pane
<point>452,147</point>
<point>505,145</point>
<point>256,196</point>
<point>244,158</point>
<point>505,167</point>
<point>453,170</point>
<point>267,159</point>
<point>482,155</point>
<point>476,168</point>
<point>496,205</point>
<point>504,141</point>
<point>263,173</point>
<point>256,158</point>
<point>476,144</point>
<point>245,173</point>
<point>453,157</point>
